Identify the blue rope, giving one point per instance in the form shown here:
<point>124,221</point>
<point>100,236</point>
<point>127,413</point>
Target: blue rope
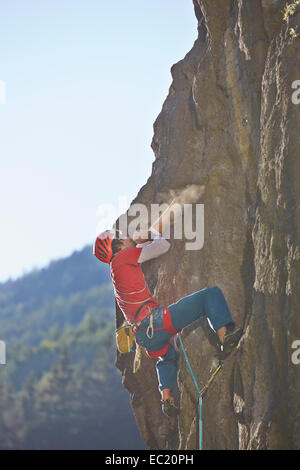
<point>198,391</point>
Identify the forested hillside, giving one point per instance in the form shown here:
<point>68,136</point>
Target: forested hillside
<point>60,388</point>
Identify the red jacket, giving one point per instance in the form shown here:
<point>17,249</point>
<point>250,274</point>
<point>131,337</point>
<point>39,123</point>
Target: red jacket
<point>131,289</point>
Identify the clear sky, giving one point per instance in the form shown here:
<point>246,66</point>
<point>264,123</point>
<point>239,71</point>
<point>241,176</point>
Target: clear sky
<point>85,81</point>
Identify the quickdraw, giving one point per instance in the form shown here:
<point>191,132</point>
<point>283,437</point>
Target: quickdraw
<point>205,388</point>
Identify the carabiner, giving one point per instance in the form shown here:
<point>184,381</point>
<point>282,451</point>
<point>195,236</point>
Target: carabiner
<point>150,327</point>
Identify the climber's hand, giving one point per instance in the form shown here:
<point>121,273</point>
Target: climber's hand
<point>142,236</point>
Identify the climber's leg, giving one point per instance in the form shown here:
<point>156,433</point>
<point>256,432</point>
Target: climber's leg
<point>166,394</point>
<point>166,368</point>
<point>209,302</point>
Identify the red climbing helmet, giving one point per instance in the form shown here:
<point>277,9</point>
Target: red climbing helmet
<point>102,247</point>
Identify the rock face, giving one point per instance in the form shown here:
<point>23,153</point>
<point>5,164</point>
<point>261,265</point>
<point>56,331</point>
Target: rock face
<point>229,125</point>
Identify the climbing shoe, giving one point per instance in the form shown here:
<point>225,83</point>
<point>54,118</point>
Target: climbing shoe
<point>230,342</point>
<point>169,409</point>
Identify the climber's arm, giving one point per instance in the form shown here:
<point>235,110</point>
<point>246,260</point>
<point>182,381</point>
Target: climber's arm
<point>158,227</point>
<point>152,249</point>
<point>159,245</point>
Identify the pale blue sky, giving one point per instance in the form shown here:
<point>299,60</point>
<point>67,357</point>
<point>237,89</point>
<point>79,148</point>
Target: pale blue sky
<point>85,81</point>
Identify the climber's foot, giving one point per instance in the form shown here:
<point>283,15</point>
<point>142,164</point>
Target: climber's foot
<point>230,342</point>
<point>169,409</point>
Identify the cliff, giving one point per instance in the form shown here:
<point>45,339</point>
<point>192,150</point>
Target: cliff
<point>230,127</point>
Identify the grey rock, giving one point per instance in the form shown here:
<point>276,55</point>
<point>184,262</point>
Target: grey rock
<point>243,63</point>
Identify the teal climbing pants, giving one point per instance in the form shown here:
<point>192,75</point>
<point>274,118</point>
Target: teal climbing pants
<point>209,303</point>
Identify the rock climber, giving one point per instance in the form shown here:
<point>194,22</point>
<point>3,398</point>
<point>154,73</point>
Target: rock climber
<point>155,325</point>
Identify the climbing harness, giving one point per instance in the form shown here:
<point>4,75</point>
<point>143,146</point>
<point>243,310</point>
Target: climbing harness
<point>203,390</point>
<point>150,331</point>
